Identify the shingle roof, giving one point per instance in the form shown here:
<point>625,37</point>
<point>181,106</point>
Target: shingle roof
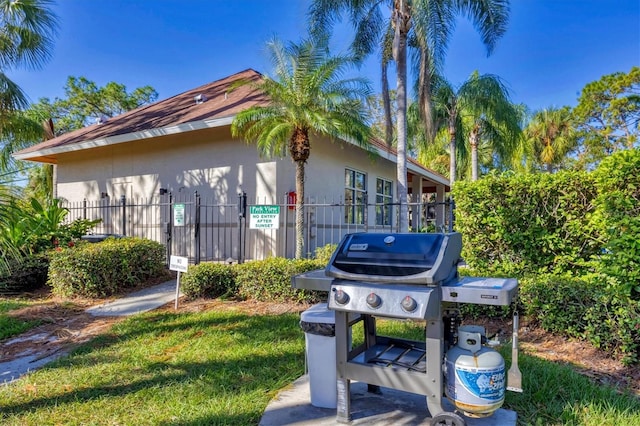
<point>219,102</point>
<point>223,98</point>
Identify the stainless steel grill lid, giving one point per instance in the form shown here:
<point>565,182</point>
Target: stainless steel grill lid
<point>396,257</point>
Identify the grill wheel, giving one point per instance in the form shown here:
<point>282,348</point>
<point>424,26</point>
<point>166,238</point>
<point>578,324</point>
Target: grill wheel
<point>448,419</point>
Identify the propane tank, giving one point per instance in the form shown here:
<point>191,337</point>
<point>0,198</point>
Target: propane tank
<point>475,374</point>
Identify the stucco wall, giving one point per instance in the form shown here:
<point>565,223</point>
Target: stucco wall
<point>218,168</point>
<point>213,164</point>
<point>205,161</point>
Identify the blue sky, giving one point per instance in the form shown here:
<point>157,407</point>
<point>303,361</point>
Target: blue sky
<point>550,51</point>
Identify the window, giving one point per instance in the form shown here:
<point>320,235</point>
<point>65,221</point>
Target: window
<point>384,198</point>
<point>355,196</point>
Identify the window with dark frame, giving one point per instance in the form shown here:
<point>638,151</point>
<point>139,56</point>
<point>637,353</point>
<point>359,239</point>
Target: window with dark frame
<point>355,196</point>
<point>384,198</point>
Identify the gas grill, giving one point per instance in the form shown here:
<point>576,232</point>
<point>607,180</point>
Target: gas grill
<point>411,277</point>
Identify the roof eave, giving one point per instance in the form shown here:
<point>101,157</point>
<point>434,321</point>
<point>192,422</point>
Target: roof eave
<point>47,155</point>
<point>435,177</point>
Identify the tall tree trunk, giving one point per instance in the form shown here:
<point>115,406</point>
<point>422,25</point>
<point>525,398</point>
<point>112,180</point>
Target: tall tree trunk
<point>424,94</point>
<point>299,149</point>
<point>452,149</point>
<point>473,142</point>
<point>386,103</point>
<point>299,209</point>
<point>401,19</point>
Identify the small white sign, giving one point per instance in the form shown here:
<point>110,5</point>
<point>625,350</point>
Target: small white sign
<point>264,217</point>
<point>178,214</point>
<point>179,263</point>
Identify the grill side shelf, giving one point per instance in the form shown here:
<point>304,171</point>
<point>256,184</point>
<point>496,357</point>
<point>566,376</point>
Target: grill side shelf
<point>483,291</point>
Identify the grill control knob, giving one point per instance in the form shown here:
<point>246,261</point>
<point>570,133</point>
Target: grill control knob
<point>409,304</point>
<point>341,297</point>
<point>373,300</point>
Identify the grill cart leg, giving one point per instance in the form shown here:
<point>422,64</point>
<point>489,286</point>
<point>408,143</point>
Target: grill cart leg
<point>435,358</point>
<point>342,353</point>
<point>370,340</point>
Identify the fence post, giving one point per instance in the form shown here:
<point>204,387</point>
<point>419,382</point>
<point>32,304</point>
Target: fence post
<point>197,229</point>
<point>242,213</point>
<point>365,213</point>
<point>123,202</point>
<point>168,231</point>
<point>452,206</point>
<point>84,209</point>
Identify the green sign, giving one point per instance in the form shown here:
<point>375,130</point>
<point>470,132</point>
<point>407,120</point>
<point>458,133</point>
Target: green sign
<point>264,217</point>
<point>178,215</point>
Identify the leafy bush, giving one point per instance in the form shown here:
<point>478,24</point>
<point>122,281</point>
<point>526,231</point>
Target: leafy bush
<point>27,275</point>
<point>270,280</point>
<point>105,268</point>
<point>521,224</point>
<point>323,254</point>
<point>31,227</point>
<point>618,207</point>
<point>585,308</point>
<point>558,304</point>
<point>208,280</point>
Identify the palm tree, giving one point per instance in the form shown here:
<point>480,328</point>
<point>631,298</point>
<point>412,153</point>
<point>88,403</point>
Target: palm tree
<point>27,30</point>
<point>479,109</point>
<point>428,25</point>
<point>550,136</point>
<point>306,98</point>
<point>493,118</point>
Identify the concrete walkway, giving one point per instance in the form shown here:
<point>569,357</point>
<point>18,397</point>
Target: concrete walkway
<point>134,303</point>
<point>292,407</point>
<point>137,302</point>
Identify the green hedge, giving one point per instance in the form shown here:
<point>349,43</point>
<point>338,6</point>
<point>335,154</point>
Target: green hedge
<point>618,182</point>
<point>209,279</point>
<point>270,279</point>
<point>584,308</point>
<point>573,240</point>
<point>521,224</point>
<point>105,268</point>
<point>264,280</point>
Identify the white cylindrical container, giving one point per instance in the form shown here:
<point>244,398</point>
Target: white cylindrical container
<point>318,323</point>
<point>475,374</point>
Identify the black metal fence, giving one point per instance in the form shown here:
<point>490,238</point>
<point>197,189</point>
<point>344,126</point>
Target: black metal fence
<point>205,229</point>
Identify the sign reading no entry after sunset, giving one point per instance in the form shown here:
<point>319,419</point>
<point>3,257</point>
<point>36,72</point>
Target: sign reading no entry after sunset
<point>264,217</point>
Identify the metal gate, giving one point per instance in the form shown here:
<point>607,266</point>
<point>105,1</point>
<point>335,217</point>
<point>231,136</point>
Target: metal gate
<point>208,229</point>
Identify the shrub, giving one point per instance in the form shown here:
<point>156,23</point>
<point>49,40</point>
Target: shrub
<point>105,268</point>
<point>586,308</point>
<point>31,227</point>
<point>323,254</point>
<point>27,275</point>
<point>521,224</point>
<point>270,280</point>
<point>208,280</point>
<point>558,304</point>
<point>618,207</point>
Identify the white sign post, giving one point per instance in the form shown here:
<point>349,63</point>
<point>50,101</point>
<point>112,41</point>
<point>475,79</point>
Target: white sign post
<point>179,264</point>
<point>264,217</point>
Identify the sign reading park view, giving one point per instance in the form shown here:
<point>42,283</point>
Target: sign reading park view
<point>264,217</point>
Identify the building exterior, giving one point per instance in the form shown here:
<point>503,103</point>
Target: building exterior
<point>140,164</point>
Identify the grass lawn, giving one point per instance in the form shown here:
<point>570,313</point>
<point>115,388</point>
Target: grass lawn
<point>223,367</point>
<point>10,326</point>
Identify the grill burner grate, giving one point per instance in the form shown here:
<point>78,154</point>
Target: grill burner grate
<point>405,355</point>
